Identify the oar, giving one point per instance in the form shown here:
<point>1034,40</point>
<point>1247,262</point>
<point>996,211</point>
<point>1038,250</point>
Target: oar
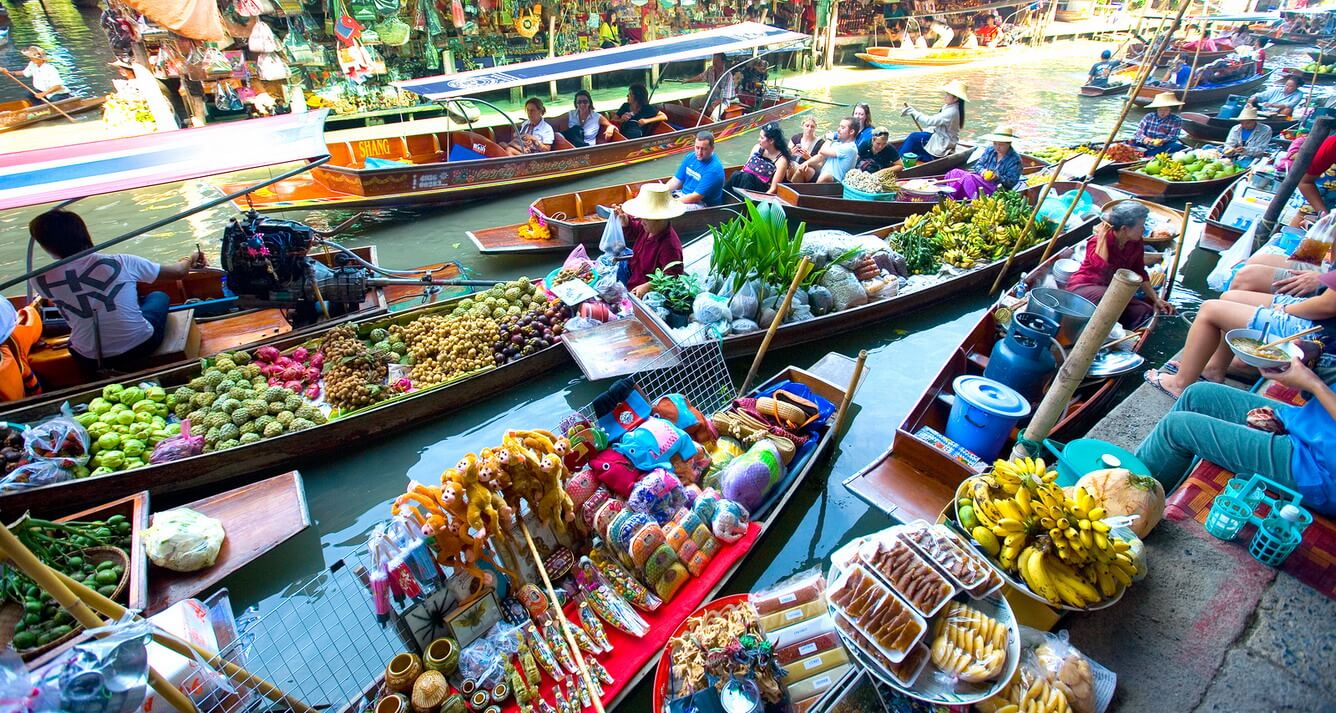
<point>1292,337</point>
<point>1020,239</point>
<point>1178,253</point>
<point>804,267</point>
<point>49,103</point>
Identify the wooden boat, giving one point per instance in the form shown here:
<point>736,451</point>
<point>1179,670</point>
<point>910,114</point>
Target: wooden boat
<point>1216,235</point>
<point>898,57</point>
<point>1203,95</point>
<point>1145,186</point>
<point>203,330</point>
<point>1090,90</point>
<point>913,479</point>
<point>25,112</point>
<point>1309,77</point>
<point>1207,126</point>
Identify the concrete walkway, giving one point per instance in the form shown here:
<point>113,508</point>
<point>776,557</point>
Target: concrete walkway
<point>1209,629</point>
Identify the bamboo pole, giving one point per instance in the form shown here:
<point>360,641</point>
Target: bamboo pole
<point>1178,253</point>
<point>1074,368</point>
<point>48,102</point>
<point>1201,40</point>
<point>1029,223</point>
<point>849,392</point>
<point>1071,208</point>
<point>561,618</point>
<point>46,578</point>
<point>804,267</point>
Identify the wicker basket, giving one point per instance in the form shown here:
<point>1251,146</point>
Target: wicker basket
<point>92,554</point>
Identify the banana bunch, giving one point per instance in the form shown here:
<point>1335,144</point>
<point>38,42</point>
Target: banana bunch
<point>969,644</point>
<point>1053,579</point>
<point>1038,697</point>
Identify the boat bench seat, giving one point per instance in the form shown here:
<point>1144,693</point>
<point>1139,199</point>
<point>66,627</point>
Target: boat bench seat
<point>180,341</point>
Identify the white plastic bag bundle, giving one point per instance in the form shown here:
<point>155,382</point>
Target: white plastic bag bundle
<point>613,241</point>
<point>183,540</point>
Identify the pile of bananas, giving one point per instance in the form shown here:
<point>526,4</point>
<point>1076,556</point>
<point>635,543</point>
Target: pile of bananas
<point>1173,171</point>
<point>969,644</point>
<point>1057,542</point>
<point>967,234</point>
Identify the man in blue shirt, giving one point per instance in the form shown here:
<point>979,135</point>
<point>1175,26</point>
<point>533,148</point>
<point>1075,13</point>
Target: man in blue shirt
<point>699,181</point>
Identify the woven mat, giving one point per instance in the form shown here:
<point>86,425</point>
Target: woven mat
<point>1313,563</point>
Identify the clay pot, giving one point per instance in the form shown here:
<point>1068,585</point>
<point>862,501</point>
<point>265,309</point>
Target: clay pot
<point>402,672</point>
<point>429,692</point>
<point>442,655</point>
<point>393,703</point>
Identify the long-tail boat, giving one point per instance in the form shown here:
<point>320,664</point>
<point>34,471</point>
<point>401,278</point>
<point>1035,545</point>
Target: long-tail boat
<point>449,163</point>
<point>1208,126</point>
<point>26,112</point>
<point>915,480</point>
<point>899,57</point>
<point>1206,94</point>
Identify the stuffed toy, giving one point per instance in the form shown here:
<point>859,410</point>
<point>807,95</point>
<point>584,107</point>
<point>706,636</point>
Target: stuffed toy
<point>748,478</point>
<point>677,410</point>
<point>723,450</point>
<point>621,408</point>
<point>691,470</point>
<point>615,471</point>
<point>653,444</point>
<point>659,495</point>
<point>586,440</point>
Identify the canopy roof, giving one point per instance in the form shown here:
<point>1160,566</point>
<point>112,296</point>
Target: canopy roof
<point>697,45</point>
<point>65,172</point>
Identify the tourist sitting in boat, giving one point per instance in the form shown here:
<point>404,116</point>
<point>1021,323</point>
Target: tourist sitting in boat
<point>19,331</point>
<point>836,156</point>
<point>989,32</point>
<point>1100,71</point>
<point>699,181</point>
<point>1159,131</point>
<point>1283,100</point>
<point>646,222</point>
<point>943,32</point>
<point>862,115</point>
<point>46,81</point>
<point>1242,37</point>
<point>968,40</point>
<point>803,147</point>
<point>768,165</point>
<point>582,122</point>
<point>998,167</point>
<point>878,154</point>
<point>723,90</point>
<point>1274,273</point>
<point>1179,75</point>
<point>1207,357</point>
<point>96,294</point>
<point>535,135</point>
<point>1248,140</point>
<point>637,114</point>
<point>944,126</point>
<point>1117,244</point>
<point>1248,433</point>
<point>915,39</point>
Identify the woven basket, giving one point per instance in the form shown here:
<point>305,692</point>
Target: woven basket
<point>92,554</point>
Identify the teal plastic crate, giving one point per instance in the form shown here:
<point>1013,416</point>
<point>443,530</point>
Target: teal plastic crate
<point>1260,502</point>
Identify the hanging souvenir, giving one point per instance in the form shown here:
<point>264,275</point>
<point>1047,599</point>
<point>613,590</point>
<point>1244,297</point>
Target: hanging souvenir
<point>386,8</point>
<point>457,13</point>
<point>271,67</point>
<point>363,11</point>
<point>529,23</point>
<point>347,30</point>
<point>262,38</point>
<point>393,32</point>
<point>248,8</point>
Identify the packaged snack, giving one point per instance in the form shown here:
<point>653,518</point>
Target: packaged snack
<point>961,564</point>
<point>908,573</point>
<point>788,617</point>
<point>802,631</point>
<point>905,671</point>
<point>799,589</point>
<point>969,645</point>
<point>813,687</point>
<point>816,664</point>
<point>880,615</point>
<point>1068,670</point>
<point>808,647</point>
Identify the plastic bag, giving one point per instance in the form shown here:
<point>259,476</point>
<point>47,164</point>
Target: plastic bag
<point>262,39</point>
<point>37,472</point>
<point>107,675</point>
<point>845,288</point>
<point>806,586</point>
<point>708,309</point>
<point>1316,243</point>
<point>613,241</point>
<point>1067,669</point>
<point>609,288</point>
<point>657,303</point>
<point>798,313</point>
<point>183,540</point>
<point>746,302</point>
<point>18,688</point>
<point>578,259</point>
<point>743,326</point>
<point>59,437</point>
<point>182,445</point>
<point>575,324</point>
<point>1231,260</point>
<point>271,67</point>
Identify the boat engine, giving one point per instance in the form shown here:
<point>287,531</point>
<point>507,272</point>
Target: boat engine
<point>268,264</point>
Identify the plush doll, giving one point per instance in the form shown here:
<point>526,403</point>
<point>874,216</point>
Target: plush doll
<point>691,470</point>
<point>446,523</point>
<point>482,514</point>
<point>581,487</point>
<point>677,410</point>
<point>585,440</point>
<point>653,444</point>
<point>659,495</point>
<point>615,471</point>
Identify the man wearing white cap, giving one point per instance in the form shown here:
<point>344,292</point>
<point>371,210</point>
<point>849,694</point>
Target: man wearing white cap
<point>46,81</point>
<point>19,330</point>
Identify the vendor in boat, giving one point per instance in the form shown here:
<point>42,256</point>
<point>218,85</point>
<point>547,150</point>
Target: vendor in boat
<point>97,295</point>
<point>879,153</point>
<point>944,126</point>
<point>582,122</point>
<point>1206,357</point>
<point>699,181</point>
<point>998,167</point>
<point>1248,140</point>
<point>637,114</point>
<point>862,123</point>
<point>46,81</point>
<point>768,165</point>
<point>1159,131</point>
<point>1117,244</point>
<point>19,331</point>
<point>989,33</point>
<point>1322,162</point>
<point>1100,71</point>
<point>1282,100</point>
<point>1243,432</point>
<point>943,32</point>
<point>803,147</point>
<point>723,91</point>
<point>646,222</point>
<point>535,135</point>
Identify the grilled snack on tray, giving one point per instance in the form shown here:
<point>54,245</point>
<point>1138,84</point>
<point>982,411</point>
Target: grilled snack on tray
<point>945,550</point>
<point>969,644</point>
<point>910,574</point>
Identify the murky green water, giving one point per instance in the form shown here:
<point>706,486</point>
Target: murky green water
<point>348,495</point>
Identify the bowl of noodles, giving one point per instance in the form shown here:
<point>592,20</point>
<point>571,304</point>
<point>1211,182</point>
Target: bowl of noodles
<point>1247,346</point>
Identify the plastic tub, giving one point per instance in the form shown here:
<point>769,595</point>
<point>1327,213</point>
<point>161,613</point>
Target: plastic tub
<point>983,415</point>
<point>1064,269</point>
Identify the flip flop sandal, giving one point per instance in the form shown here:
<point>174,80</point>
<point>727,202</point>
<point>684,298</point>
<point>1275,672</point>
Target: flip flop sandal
<point>1155,382</point>
<point>1170,367</point>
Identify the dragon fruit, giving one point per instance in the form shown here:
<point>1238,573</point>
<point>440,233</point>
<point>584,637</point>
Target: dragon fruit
<point>294,373</point>
<point>318,361</point>
<point>275,381</point>
<point>300,354</point>
<point>312,392</point>
<point>312,373</point>
<point>294,386</point>
<point>403,385</point>
<point>267,354</point>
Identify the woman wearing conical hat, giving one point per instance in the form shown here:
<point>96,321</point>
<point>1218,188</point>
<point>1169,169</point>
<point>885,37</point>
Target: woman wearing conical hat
<point>943,128</point>
<point>1159,130</point>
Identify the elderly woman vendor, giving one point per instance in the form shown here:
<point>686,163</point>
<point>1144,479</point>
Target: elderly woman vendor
<point>1117,244</point>
<point>998,167</point>
<point>649,232</point>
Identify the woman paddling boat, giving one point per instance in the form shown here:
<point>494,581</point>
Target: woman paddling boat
<point>944,126</point>
<point>646,220</point>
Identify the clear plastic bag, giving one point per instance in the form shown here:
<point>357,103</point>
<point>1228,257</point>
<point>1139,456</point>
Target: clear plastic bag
<point>613,241</point>
<point>37,472</point>
<point>577,323</point>
<point>1066,668</point>
<point>806,586</point>
<point>182,445</point>
<point>58,437</point>
<point>745,303</point>
<point>1317,242</point>
<point>743,326</point>
<point>107,675</point>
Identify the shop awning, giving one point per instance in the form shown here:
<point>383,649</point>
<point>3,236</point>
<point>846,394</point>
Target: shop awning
<point>196,19</point>
<point>697,45</point>
<point>65,172</point>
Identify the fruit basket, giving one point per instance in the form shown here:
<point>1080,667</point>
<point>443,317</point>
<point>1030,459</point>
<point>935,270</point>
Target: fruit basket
<point>17,623</point>
<point>1050,565</point>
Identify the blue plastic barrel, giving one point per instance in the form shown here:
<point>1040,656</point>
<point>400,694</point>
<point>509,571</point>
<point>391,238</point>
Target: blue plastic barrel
<point>983,415</point>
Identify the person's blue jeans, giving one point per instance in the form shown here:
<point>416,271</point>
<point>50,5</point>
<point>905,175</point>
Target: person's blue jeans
<point>154,307</point>
<point>914,143</point>
<point>1208,422</point>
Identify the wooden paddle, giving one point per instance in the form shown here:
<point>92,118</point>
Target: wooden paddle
<point>44,99</point>
<point>1290,338</point>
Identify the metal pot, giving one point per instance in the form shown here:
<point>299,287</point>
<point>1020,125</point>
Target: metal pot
<point>1069,310</point>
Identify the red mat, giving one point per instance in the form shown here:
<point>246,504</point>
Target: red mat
<point>630,654</point>
<point>1313,563</point>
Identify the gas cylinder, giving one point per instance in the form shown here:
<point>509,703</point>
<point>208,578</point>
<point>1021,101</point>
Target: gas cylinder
<point>1023,359</point>
<point>1233,105</point>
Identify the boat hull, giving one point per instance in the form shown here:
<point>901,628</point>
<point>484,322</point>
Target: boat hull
<point>1089,90</point>
<point>1204,126</point>
<point>1218,236</point>
<point>1308,77</point>
<point>897,58</point>
<point>1144,186</point>
<point>17,118</point>
<point>1202,96</point>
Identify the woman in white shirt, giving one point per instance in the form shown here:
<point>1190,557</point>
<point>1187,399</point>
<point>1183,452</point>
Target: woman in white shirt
<point>582,122</point>
<point>46,81</point>
<point>534,135</point>
<point>941,130</point>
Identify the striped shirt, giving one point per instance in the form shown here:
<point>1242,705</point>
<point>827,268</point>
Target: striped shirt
<point>1277,95</point>
<point>1153,126</point>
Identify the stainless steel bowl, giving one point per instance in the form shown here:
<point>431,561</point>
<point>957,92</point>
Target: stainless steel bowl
<point>1070,311</point>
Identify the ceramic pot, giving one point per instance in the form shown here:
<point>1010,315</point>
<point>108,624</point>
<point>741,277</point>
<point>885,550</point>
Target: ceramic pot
<point>393,703</point>
<point>442,655</point>
<point>454,704</point>
<point>402,672</point>
<point>429,692</point>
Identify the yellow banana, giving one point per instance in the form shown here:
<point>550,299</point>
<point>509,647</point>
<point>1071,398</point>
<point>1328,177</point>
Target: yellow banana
<point>1099,525</point>
<point>1098,513</point>
<point>1023,498</point>
<point>1009,509</point>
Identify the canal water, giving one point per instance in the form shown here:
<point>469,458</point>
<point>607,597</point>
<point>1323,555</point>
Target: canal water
<point>348,495</point>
